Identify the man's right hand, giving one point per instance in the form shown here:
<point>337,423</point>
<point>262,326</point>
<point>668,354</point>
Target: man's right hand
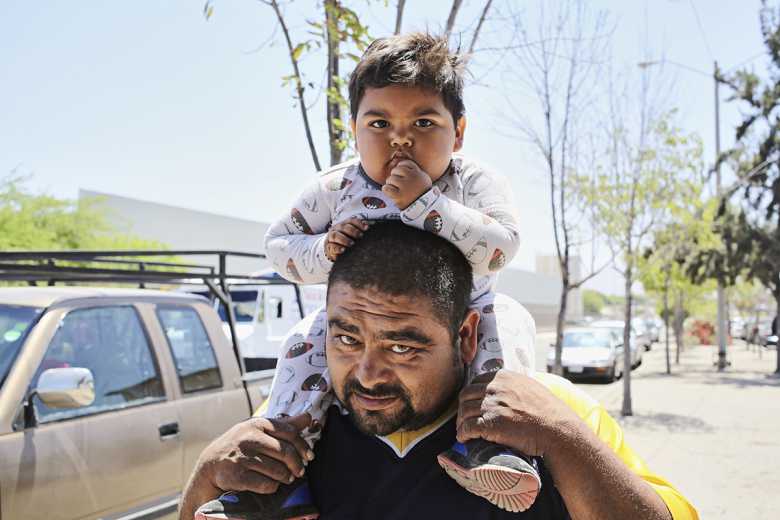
<point>255,455</point>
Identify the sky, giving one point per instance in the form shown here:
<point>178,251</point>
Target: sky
<point>151,101</point>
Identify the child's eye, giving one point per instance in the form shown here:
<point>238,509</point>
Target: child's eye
<point>423,123</point>
<point>401,349</point>
<point>379,123</point>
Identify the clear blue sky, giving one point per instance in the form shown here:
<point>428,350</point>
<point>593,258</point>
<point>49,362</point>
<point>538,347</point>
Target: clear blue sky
<point>148,100</point>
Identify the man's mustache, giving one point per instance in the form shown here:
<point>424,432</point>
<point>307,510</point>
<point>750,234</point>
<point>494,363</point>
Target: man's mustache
<point>383,390</point>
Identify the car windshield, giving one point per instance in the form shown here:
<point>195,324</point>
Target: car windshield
<point>15,323</point>
<point>585,339</point>
<point>244,306</point>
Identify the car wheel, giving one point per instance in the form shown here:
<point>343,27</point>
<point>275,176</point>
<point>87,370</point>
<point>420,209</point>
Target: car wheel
<point>611,376</point>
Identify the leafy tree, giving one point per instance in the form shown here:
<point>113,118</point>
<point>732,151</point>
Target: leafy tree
<point>751,232</point>
<point>30,221</point>
<point>593,302</point>
<point>636,189</point>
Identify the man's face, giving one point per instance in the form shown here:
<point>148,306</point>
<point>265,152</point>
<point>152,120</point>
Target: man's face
<point>399,122</point>
<point>392,363</point>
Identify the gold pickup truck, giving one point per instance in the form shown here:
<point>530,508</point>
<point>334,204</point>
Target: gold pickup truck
<point>107,397</point>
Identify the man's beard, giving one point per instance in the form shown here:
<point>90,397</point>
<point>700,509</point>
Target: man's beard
<point>380,422</point>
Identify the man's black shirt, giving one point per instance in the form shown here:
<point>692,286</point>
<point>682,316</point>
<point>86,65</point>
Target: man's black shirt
<point>358,476</point>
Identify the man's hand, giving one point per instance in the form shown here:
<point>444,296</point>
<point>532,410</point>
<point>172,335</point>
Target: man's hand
<point>254,455</point>
<point>343,235</point>
<point>515,411</point>
<point>406,183</point>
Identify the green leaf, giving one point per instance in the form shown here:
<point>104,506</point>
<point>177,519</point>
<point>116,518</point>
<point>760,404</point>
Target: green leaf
<point>298,50</point>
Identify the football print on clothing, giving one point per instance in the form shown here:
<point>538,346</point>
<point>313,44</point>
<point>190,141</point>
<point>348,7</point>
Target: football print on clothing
<point>497,261</point>
<point>433,222</point>
<point>488,309</point>
<point>463,228</point>
<point>299,349</point>
<point>286,374</point>
<point>478,253</point>
<point>315,383</point>
<point>318,360</point>
<point>491,365</point>
<point>292,271</point>
<point>374,203</point>
<point>492,345</point>
<point>338,183</point>
<point>300,222</point>
<point>285,399</point>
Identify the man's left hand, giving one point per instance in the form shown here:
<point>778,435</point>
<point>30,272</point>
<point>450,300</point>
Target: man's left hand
<point>514,410</point>
<point>407,181</point>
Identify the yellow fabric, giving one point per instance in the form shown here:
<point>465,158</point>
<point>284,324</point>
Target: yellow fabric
<point>402,441</point>
<point>609,431</point>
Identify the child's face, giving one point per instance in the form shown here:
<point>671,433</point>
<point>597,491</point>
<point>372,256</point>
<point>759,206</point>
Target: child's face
<point>400,122</point>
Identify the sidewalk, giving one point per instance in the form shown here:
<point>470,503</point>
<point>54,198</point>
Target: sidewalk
<point>715,436</point>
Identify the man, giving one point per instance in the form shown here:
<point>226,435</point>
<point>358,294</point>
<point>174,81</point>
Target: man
<point>399,336</point>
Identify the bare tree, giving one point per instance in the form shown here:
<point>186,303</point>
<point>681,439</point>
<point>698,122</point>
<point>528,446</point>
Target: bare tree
<point>559,66</point>
<point>451,18</point>
<point>399,15</point>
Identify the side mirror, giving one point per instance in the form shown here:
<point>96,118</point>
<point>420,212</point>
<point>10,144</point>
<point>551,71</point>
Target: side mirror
<point>66,387</point>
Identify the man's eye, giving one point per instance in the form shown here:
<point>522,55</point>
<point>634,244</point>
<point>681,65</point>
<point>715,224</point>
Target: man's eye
<point>379,123</point>
<point>346,340</point>
<point>401,349</point>
<point>423,123</point>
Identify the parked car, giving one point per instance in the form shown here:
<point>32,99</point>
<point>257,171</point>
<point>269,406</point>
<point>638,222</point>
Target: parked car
<point>589,353</point>
<point>108,396</point>
<point>616,327</point>
<point>653,326</point>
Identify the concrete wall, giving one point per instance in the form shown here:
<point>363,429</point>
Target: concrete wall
<point>181,228</point>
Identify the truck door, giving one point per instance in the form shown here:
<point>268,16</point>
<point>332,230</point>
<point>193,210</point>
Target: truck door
<point>282,312</point>
<point>121,453</point>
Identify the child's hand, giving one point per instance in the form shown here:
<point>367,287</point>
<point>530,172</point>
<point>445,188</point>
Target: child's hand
<point>342,235</point>
<point>406,183</point>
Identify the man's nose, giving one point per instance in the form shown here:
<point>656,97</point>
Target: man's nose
<point>371,370</point>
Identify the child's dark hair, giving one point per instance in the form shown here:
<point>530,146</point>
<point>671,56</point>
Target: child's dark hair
<point>414,60</point>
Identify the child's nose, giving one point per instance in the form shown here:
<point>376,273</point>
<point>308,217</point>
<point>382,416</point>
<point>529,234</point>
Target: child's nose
<point>400,140</point>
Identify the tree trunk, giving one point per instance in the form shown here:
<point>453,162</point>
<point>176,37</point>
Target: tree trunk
<point>777,330</point>
<point>399,16</point>
<point>333,105</point>
<point>666,320</point>
<point>627,408</point>
<point>560,325</point>
<point>679,318</point>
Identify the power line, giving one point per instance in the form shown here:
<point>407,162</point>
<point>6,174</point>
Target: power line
<point>701,30</point>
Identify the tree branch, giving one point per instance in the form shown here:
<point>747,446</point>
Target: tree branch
<point>451,18</point>
<point>399,14</point>
<point>479,25</point>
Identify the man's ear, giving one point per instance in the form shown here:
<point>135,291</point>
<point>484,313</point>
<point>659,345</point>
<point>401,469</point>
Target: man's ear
<point>468,336</point>
<point>460,131</point>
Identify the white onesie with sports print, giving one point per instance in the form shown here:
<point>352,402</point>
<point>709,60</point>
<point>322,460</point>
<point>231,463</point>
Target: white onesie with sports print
<point>469,206</point>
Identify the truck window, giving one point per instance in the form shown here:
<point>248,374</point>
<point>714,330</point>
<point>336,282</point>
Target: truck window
<point>244,306</point>
<point>192,351</point>
<point>111,342</point>
<point>15,323</point>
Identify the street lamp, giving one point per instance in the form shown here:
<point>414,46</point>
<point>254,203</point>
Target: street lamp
<point>721,317</point>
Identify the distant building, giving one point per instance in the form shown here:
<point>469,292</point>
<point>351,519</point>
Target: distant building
<point>188,229</point>
<point>549,265</point>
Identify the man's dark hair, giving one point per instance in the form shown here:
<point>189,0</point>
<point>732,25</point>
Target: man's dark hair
<point>401,260</point>
<point>412,60</point>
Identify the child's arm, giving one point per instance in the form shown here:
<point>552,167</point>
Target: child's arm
<point>295,244</point>
<point>484,228</point>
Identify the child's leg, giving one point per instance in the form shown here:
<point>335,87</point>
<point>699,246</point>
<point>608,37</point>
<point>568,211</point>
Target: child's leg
<point>505,336</point>
<point>301,383</point>
<point>505,340</point>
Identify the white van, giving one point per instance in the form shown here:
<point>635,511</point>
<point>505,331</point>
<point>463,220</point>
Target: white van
<point>264,313</point>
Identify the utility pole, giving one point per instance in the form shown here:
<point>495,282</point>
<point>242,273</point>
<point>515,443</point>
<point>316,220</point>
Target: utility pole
<point>721,329</point>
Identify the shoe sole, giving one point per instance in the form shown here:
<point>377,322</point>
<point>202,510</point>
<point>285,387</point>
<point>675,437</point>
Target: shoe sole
<point>509,489</point>
<point>223,516</point>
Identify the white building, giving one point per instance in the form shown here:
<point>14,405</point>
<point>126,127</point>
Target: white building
<point>187,229</point>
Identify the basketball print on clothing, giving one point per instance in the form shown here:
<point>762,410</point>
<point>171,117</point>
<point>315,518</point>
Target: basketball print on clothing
<point>433,222</point>
<point>300,222</point>
<point>497,261</point>
<point>315,383</point>
<point>299,349</point>
<point>373,203</point>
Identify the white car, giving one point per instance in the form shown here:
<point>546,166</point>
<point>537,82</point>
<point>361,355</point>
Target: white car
<point>616,327</point>
<point>590,352</point>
